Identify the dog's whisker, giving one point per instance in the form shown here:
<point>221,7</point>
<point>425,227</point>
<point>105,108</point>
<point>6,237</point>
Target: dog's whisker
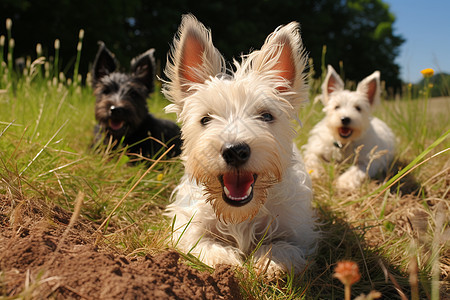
<point>243,171</point>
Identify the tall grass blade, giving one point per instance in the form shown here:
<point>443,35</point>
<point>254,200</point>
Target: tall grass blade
<point>132,188</point>
<point>412,165</point>
<point>42,149</point>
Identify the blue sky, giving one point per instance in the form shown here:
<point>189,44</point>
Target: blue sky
<point>425,24</point>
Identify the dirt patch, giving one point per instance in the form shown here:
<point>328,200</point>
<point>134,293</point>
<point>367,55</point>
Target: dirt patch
<point>35,261</point>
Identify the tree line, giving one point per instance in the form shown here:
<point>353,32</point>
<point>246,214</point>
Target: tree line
<point>358,34</point>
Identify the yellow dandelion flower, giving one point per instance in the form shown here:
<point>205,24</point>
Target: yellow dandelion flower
<point>160,176</point>
<point>428,72</point>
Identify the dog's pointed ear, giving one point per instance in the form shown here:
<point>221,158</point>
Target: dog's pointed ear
<point>370,87</point>
<point>193,60</point>
<point>104,63</point>
<point>283,55</point>
<point>331,83</point>
<point>143,67</point>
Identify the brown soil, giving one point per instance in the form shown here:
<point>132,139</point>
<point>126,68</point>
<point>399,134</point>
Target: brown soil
<point>41,258</point>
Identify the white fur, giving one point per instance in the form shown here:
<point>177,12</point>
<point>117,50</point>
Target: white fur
<point>270,80</point>
<point>372,138</point>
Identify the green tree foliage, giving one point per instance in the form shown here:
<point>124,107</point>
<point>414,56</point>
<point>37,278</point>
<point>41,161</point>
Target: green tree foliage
<point>357,32</point>
<point>44,21</point>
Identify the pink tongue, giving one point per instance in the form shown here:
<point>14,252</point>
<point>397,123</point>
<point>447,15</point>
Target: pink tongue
<point>238,183</point>
<point>115,125</point>
<point>345,130</point>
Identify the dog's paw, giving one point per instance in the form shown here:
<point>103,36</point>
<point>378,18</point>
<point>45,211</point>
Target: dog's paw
<point>347,183</point>
<point>351,179</point>
<point>276,260</point>
<point>269,269</point>
<point>212,253</point>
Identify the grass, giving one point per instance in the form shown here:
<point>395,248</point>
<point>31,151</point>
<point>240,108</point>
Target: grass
<point>46,130</point>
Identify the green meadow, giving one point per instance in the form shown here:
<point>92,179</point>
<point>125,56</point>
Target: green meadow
<point>395,229</point>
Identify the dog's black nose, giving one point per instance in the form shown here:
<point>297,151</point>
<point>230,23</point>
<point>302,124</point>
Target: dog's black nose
<point>117,112</point>
<point>345,121</point>
<point>236,155</point>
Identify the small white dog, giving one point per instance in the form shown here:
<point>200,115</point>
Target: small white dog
<point>245,181</point>
<point>349,129</point>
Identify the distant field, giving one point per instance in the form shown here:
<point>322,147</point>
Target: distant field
<point>439,105</point>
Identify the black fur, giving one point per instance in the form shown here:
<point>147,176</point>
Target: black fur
<point>121,107</point>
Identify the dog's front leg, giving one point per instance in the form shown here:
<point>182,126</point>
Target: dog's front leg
<point>212,253</point>
<point>352,178</point>
<point>279,257</point>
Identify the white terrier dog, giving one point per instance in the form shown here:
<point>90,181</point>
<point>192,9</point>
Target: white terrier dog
<point>348,129</point>
<point>245,181</point>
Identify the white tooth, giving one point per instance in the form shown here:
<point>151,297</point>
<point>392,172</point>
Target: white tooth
<point>227,192</point>
<point>248,191</point>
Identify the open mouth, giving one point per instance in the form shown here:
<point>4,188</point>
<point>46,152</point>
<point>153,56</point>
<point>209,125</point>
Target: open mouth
<point>345,132</point>
<point>237,187</point>
<point>115,124</point>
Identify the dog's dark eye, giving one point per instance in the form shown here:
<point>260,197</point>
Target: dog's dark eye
<point>205,120</point>
<point>106,90</point>
<point>133,94</point>
<point>337,107</point>
<point>266,117</point>
<point>358,108</point>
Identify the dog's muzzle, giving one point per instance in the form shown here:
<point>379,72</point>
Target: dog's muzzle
<point>345,132</point>
<point>116,120</point>
<point>236,155</point>
<point>237,185</point>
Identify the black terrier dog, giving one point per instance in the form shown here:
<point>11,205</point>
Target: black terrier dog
<point>121,107</point>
